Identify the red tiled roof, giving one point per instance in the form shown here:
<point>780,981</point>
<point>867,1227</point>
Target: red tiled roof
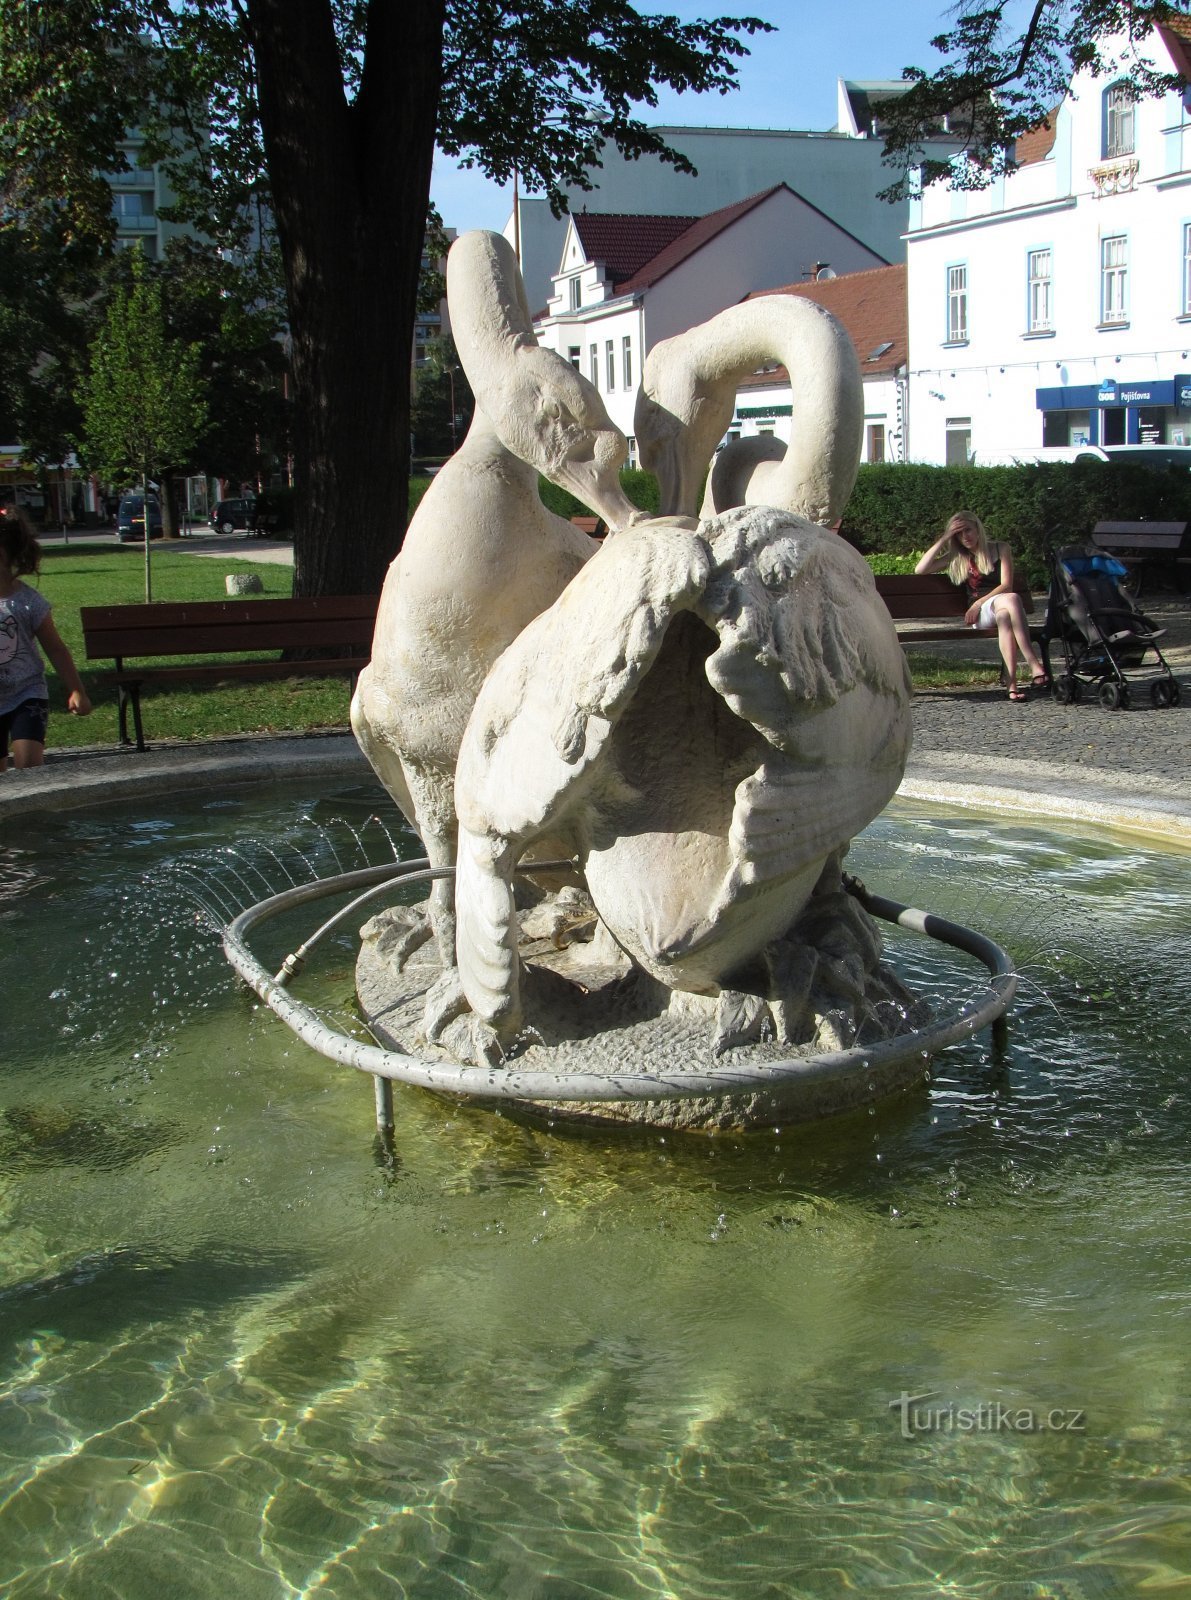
<point>872,307</point>
<point>693,238</point>
<point>624,244</point>
<point>1175,34</point>
<point>1036,143</point>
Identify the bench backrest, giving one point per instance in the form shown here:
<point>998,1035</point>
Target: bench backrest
<point>212,627</point>
<point>932,594</point>
<point>1141,538</point>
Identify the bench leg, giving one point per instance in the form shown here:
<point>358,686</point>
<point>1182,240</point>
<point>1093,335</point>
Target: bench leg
<point>126,694</point>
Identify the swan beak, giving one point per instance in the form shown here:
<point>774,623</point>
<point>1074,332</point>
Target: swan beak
<point>594,479</point>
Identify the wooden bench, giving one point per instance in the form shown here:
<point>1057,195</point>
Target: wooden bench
<point>130,634</point>
<point>925,607</point>
<point>1147,548</point>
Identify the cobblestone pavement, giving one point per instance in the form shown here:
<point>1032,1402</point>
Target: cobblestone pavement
<point>982,725</point>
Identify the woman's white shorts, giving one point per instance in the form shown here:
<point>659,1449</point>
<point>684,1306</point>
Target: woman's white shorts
<point>987,617</point>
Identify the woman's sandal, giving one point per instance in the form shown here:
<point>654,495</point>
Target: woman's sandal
<point>1017,693</point>
<point>1040,680</point>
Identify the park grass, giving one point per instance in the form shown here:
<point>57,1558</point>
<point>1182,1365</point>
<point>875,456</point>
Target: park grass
<point>104,574</point>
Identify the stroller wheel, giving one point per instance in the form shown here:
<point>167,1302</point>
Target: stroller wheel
<point>1174,692</point>
<point>1165,692</point>
<point>1114,696</point>
<point>1062,690</point>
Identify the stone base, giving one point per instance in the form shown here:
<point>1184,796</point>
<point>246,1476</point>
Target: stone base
<point>591,1011</point>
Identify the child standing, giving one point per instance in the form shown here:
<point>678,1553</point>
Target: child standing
<point>25,623</point>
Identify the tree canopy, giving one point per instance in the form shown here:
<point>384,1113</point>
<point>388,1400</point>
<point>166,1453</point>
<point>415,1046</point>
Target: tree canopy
<point>313,122</point>
<point>1006,71</point>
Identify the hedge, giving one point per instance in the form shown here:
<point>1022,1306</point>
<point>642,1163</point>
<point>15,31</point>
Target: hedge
<point>901,509</point>
<point>641,488</point>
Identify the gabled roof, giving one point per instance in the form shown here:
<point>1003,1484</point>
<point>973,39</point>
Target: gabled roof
<point>695,236</point>
<point>624,244</point>
<point>872,307</point>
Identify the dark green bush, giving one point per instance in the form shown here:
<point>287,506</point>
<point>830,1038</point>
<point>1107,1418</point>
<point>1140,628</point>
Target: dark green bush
<point>902,509</point>
<point>641,488</point>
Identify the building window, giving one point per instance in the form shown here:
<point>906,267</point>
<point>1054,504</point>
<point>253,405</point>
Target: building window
<point>1187,269</point>
<point>632,441</point>
<point>593,354</point>
<point>1039,289</point>
<point>1114,280</point>
<point>573,355</point>
<point>1066,427</point>
<point>875,442</point>
<point>1119,110</point>
<point>610,355</point>
<point>626,346</point>
<point>959,441</point>
<point>576,292</point>
<point>957,304</point>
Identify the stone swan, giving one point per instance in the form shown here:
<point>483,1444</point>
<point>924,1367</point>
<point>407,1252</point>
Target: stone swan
<point>482,556</point>
<point>688,396</point>
<point>705,719</point>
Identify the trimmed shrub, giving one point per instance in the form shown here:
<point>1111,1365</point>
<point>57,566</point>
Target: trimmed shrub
<point>902,509</point>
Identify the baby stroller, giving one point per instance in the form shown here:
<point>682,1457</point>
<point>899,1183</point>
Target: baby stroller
<point>1107,643</point>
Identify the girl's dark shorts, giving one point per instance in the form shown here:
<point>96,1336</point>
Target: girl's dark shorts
<point>26,721</point>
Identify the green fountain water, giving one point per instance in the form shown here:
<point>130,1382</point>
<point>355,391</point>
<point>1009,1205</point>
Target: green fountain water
<point>246,1355</point>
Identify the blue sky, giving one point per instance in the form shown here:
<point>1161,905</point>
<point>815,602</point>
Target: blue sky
<point>787,82</point>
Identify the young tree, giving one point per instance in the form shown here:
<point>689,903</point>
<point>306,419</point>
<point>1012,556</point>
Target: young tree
<point>346,96</point>
<point>142,400</point>
<point>1001,79</point>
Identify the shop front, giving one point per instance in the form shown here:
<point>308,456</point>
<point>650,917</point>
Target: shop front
<point>1153,411</point>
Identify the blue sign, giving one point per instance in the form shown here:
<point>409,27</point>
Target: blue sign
<point>1106,395</point>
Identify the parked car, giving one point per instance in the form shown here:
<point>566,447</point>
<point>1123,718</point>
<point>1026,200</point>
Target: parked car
<point>1139,455</point>
<point>230,516</point>
<point>130,518</point>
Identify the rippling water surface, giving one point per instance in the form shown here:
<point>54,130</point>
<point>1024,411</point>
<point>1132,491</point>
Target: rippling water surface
<point>936,1350</point>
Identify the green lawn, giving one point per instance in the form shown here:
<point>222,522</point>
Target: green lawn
<point>112,575</point>
<point>97,575</point>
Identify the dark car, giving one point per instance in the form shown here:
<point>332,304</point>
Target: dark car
<point>230,516</point>
<point>130,519</point>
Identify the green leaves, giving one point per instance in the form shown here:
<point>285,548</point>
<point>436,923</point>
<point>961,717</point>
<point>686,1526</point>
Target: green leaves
<point>142,400</point>
<point>1001,80</point>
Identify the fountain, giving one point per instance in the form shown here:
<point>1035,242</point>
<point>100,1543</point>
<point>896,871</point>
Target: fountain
<point>508,1357</point>
<point>636,767</point>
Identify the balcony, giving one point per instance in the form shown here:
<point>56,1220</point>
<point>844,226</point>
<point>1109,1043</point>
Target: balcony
<point>1118,176</point>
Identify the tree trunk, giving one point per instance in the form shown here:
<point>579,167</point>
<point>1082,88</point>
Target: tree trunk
<point>350,187</point>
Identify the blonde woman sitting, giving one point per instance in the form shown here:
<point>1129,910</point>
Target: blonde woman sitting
<point>985,571</point>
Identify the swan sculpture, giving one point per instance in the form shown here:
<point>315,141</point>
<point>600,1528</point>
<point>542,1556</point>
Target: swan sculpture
<point>699,715</point>
<point>705,719</point>
<point>688,396</point>
<point>482,556</point>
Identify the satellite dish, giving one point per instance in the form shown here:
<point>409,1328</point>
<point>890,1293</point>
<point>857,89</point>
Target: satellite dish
<point>824,274</point>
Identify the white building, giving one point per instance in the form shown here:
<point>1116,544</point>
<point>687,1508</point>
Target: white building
<point>872,307</point>
<point>1054,307</point>
<point>627,281</point>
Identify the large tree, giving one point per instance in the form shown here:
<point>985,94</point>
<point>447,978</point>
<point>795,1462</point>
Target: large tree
<point>318,118</point>
<point>1005,69</point>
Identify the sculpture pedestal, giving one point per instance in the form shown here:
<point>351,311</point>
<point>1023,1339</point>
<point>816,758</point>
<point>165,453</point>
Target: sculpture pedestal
<point>595,1015</point>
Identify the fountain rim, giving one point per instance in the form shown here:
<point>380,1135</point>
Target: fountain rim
<point>509,1082</point>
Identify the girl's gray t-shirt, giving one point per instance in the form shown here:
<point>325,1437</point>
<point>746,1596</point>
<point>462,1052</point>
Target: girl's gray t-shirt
<point>22,671</point>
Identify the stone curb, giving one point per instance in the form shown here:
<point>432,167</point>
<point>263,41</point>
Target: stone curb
<point>1146,804</point>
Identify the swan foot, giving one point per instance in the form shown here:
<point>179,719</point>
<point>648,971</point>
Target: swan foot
<point>445,1001</point>
<point>398,932</point>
